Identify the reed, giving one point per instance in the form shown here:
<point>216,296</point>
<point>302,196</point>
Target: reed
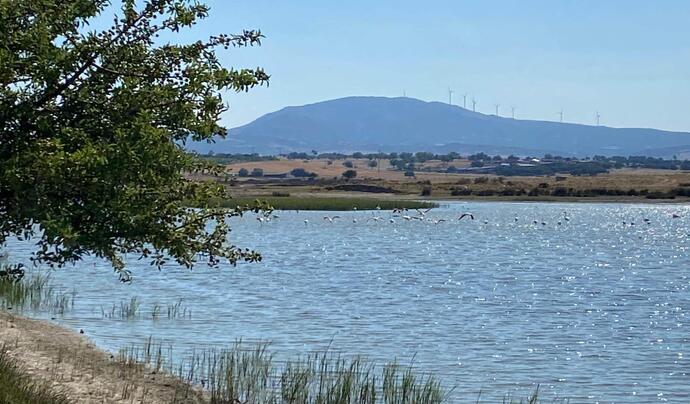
<point>250,374</point>
<point>132,310</point>
<point>35,293</point>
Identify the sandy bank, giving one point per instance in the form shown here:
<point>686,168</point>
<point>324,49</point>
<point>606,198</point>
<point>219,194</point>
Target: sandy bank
<point>74,366</point>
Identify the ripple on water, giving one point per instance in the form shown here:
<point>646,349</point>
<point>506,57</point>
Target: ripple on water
<point>592,309</point>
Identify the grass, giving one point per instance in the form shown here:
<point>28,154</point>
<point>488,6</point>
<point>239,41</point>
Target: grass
<point>132,310</point>
<point>34,293</point>
<point>17,387</point>
<point>327,203</point>
<point>249,374</point>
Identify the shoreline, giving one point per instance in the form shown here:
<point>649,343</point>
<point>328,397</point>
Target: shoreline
<point>73,365</point>
<point>370,201</point>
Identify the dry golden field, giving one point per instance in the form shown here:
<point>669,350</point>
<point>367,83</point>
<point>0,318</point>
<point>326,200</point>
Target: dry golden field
<point>442,184</point>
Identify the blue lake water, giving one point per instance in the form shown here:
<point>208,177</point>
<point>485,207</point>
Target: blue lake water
<point>591,309</point>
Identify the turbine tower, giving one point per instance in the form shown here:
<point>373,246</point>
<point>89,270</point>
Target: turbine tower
<point>474,105</point>
<point>561,114</point>
<point>512,111</point>
<point>464,100</point>
<point>450,96</point>
<point>497,105</point>
<point>598,118</point>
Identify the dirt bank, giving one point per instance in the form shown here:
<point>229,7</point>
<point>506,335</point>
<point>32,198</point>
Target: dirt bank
<point>74,366</point>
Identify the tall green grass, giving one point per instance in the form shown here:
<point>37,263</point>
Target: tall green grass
<point>16,387</point>
<point>132,309</point>
<point>326,203</point>
<point>34,293</point>
<point>251,375</point>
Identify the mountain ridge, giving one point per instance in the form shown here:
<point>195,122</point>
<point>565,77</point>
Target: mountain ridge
<point>369,124</point>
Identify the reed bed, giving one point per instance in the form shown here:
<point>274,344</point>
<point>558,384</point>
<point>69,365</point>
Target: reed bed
<point>249,374</point>
<point>36,294</point>
<point>133,309</point>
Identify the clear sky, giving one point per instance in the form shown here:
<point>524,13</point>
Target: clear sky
<point>628,59</point>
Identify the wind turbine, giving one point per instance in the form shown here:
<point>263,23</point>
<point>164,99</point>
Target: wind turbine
<point>497,105</point>
<point>474,105</point>
<point>464,100</point>
<point>450,96</point>
<point>561,114</point>
<point>512,111</point>
<point>598,118</point>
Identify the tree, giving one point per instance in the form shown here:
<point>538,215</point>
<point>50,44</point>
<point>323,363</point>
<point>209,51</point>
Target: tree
<point>302,173</point>
<point>349,174</point>
<point>348,164</point>
<point>372,163</point>
<point>92,125</point>
<point>257,172</point>
<point>243,172</point>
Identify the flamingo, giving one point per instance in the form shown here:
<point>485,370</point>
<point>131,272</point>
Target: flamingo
<point>422,214</point>
<point>464,215</point>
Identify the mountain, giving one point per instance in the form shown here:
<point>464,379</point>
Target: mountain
<point>370,124</point>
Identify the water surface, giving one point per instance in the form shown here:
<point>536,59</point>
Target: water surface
<point>593,309</point>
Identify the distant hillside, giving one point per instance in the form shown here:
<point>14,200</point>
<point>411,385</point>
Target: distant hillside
<point>407,124</point>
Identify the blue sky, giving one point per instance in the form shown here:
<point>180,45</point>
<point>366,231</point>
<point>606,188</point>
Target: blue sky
<point>628,59</point>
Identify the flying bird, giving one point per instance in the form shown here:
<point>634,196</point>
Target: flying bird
<point>464,215</point>
<point>331,219</point>
<point>423,213</point>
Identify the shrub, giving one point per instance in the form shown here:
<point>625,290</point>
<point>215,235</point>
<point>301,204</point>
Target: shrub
<point>561,191</point>
<point>280,194</point>
<point>349,174</point>
<point>485,192</point>
<point>348,164</point>
<point>301,173</point>
<point>243,172</point>
<point>372,163</point>
<point>481,180</point>
<point>409,173</point>
<point>460,191</point>
<point>426,190</point>
<point>257,172</point>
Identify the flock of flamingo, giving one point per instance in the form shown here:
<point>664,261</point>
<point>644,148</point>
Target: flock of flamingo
<point>421,216</point>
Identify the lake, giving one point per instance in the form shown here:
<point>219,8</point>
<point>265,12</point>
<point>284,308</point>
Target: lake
<point>593,309</point>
